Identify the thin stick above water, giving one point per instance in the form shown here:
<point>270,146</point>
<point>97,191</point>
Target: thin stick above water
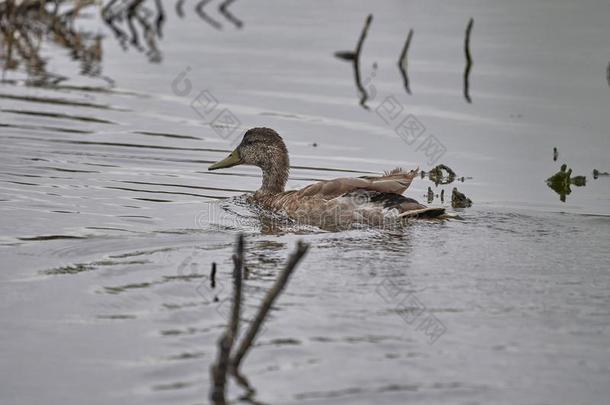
<point>468,61</point>
<point>213,276</point>
<point>238,265</point>
<point>204,16</point>
<point>225,343</point>
<point>271,296</point>
<point>363,94</point>
<point>228,15</point>
<point>180,8</point>
<point>403,62</point>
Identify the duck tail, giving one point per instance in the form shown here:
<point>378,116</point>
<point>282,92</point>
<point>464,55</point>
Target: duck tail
<point>400,172</point>
<point>395,181</point>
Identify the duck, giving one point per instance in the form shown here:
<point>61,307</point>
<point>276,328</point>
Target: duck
<point>344,201</point>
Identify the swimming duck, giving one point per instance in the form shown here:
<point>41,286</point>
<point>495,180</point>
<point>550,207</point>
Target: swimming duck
<point>372,200</point>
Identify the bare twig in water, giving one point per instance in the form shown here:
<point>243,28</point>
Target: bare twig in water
<point>160,18</point>
<point>363,94</point>
<point>354,57</point>
<point>150,32</point>
<point>203,15</point>
<point>345,55</point>
<point>468,61</point>
<point>228,15</point>
<point>271,296</point>
<point>238,266</point>
<point>131,13</point>
<point>402,62</point>
<point>225,343</point>
<point>134,14</point>
<point>430,195</point>
<point>213,276</point>
<point>180,8</point>
<point>226,363</point>
<point>109,17</point>
<point>219,370</point>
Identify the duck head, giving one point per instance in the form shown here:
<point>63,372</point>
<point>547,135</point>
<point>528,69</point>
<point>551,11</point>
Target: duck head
<point>264,148</point>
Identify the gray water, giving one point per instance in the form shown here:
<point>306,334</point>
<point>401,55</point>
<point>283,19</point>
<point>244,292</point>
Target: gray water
<point>110,221</point>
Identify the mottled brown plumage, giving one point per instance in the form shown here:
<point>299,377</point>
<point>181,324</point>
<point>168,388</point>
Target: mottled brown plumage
<point>370,199</point>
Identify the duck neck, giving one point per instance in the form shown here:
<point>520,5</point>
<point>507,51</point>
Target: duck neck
<point>275,175</point>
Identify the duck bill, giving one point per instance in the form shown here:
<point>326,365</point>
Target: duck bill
<point>232,160</point>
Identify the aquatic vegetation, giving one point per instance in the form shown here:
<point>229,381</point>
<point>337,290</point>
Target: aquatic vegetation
<point>597,173</point>
<point>24,25</point>
<point>459,200</point>
<point>579,181</point>
<point>561,181</point>
<point>136,24</point>
<point>441,174</point>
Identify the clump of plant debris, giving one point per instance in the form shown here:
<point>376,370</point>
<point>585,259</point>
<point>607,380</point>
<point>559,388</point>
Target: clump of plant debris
<point>597,173</point>
<point>459,200</point>
<point>561,181</point>
<point>441,174</point>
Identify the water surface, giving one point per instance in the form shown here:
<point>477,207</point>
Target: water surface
<point>110,220</point>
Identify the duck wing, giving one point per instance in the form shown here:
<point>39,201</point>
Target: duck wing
<point>395,181</point>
